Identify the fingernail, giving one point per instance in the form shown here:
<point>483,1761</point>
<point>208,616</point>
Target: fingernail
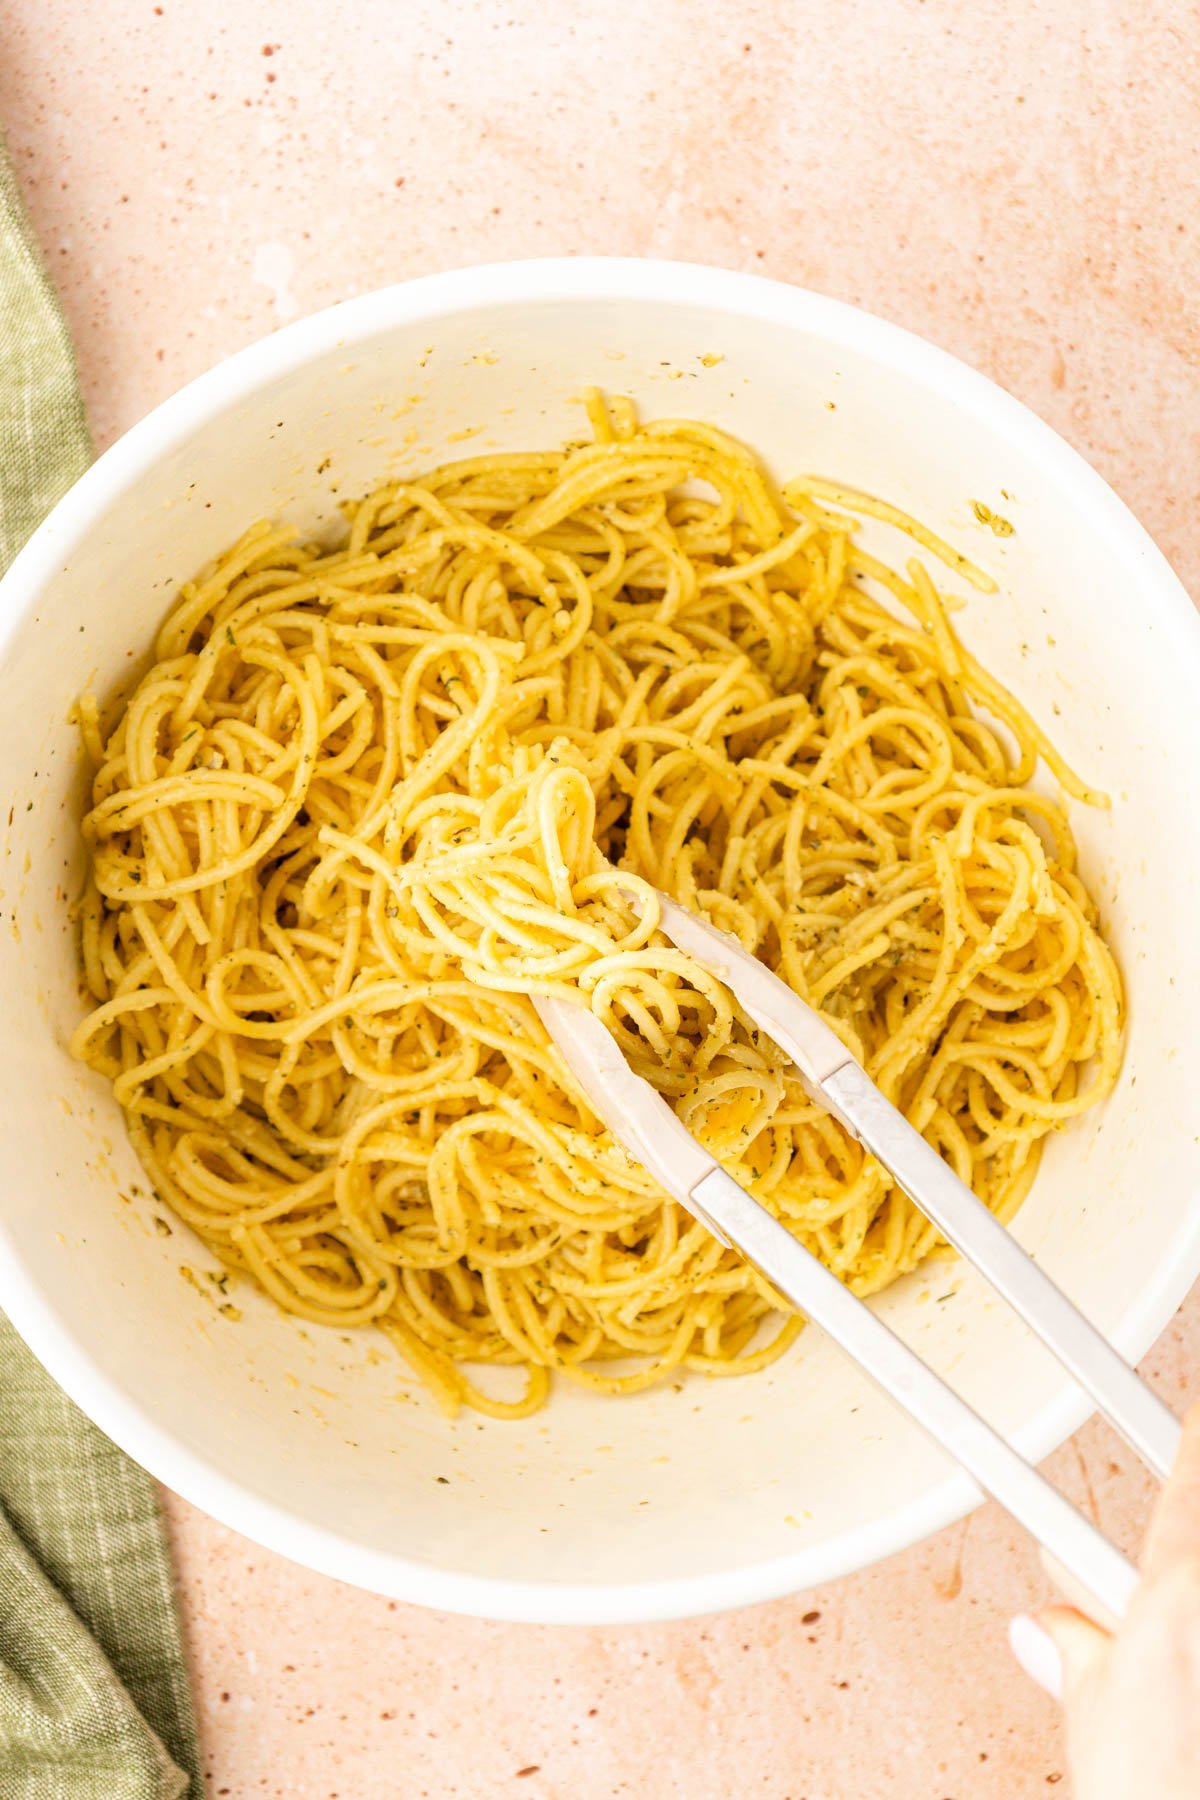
<point>1037,1654</point>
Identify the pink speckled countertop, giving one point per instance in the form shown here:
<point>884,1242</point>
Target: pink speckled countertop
<point>1021,187</point>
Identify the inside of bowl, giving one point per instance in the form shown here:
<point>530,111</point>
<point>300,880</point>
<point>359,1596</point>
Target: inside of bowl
<point>804,1464</point>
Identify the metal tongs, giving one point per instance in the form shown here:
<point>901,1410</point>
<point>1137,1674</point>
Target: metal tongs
<point>1090,1569</point>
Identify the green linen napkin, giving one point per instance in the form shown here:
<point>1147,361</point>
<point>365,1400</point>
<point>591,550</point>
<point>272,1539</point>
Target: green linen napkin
<point>94,1697</point>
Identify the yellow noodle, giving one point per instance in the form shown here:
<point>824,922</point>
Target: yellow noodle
<point>369,800</point>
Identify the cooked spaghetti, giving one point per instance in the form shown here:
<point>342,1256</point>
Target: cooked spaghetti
<point>368,799</point>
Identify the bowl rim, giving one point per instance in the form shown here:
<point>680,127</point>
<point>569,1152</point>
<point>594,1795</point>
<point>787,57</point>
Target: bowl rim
<point>688,286</point>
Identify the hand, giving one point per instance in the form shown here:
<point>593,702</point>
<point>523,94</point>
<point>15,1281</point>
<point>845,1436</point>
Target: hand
<point>1132,1701</point>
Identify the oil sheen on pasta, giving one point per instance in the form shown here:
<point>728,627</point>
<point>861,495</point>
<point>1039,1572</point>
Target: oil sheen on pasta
<point>368,799</point>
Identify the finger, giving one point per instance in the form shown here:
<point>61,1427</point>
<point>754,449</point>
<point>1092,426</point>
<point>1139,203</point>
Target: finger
<point>1081,1645</point>
<point>1175,1525</point>
<point>1037,1653</point>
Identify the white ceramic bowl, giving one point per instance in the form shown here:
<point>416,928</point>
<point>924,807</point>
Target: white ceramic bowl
<point>680,1500</point>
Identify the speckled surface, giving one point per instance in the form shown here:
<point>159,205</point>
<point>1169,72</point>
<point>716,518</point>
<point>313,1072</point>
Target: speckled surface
<point>1017,184</point>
